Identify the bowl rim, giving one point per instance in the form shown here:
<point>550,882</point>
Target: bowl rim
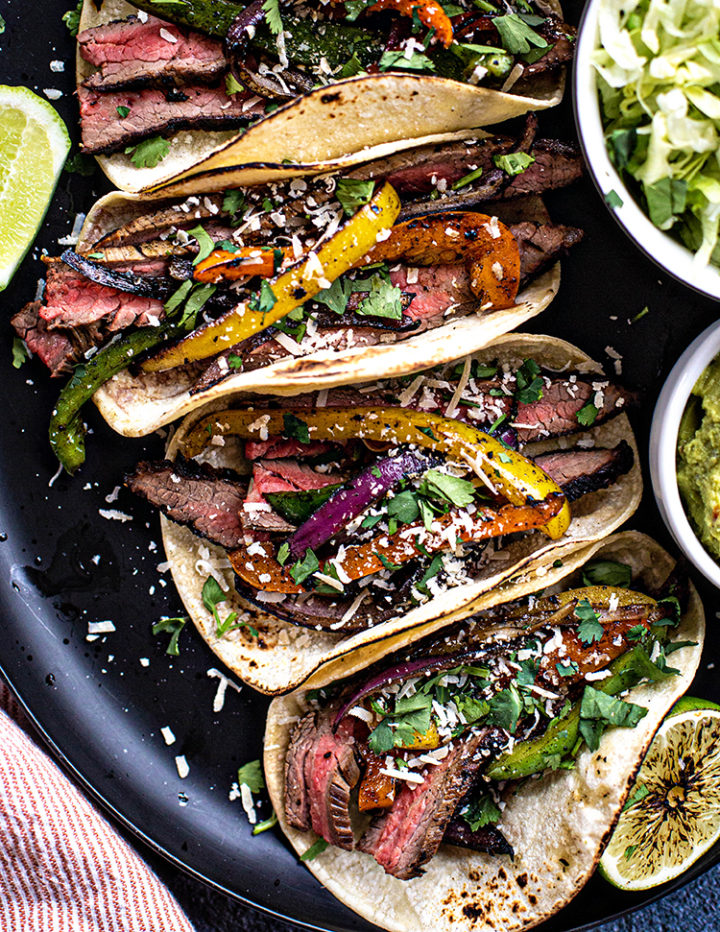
<point>668,413</point>
<point>668,254</point>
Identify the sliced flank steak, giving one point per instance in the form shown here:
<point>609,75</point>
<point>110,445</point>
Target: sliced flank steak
<point>321,770</point>
<point>59,350</point>
<point>155,112</point>
<point>130,53</point>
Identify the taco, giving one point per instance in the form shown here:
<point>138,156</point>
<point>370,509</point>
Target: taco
<point>337,520</point>
<point>228,88</point>
<point>409,780</point>
<point>299,284</point>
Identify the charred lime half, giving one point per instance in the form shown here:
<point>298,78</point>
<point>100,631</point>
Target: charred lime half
<point>672,816</point>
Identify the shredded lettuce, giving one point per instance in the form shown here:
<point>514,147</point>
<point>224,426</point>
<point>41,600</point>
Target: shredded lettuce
<point>658,68</point>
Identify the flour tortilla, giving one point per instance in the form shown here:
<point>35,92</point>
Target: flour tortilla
<point>557,825</point>
<point>137,404</point>
<point>286,655</point>
<point>349,122</point>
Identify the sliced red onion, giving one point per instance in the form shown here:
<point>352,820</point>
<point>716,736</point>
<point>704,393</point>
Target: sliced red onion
<point>403,671</point>
<point>347,503</point>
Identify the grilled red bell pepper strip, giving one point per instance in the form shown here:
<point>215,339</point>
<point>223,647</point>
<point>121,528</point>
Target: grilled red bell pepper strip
<point>430,14</point>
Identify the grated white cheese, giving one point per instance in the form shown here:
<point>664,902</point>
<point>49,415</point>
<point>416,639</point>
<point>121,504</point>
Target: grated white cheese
<point>225,681</point>
<point>182,765</point>
<point>168,735</point>
<point>101,627</point>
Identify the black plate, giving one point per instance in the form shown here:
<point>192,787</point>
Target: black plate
<point>64,565</point>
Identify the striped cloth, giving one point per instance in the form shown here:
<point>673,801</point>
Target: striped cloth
<point>63,868</point>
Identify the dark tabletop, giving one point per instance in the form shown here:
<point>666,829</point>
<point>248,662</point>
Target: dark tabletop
<point>34,37</point>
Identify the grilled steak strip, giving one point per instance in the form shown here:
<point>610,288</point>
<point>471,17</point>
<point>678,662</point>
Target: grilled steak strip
<point>409,834</point>
<point>154,112</point>
<point>579,472</point>
<point>134,54</point>
<point>60,350</point>
<point>489,839</point>
<point>207,500</point>
<point>320,772</point>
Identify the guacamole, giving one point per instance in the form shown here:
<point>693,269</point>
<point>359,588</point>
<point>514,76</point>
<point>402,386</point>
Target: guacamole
<point>698,458</point>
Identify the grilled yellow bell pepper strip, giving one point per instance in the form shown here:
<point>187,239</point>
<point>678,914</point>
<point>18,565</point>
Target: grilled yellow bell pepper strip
<point>292,288</point>
<point>504,471</point>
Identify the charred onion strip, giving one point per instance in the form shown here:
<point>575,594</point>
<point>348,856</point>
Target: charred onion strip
<point>292,288</point>
<point>505,471</point>
<point>487,247</point>
<point>430,14</point>
<point>223,265</point>
<point>265,573</point>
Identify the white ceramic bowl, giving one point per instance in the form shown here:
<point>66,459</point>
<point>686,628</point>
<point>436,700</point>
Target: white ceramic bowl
<point>663,446</point>
<point>658,246</point>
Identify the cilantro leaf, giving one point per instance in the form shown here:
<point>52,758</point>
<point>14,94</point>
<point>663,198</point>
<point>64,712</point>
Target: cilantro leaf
<point>149,152</point>
<point>123,112</point>
<point>266,300</point>
<point>204,241</point>
<point>283,553</point>
<point>529,383</point>
<point>516,36</point>
<point>233,203</point>
<point>305,567</point>
<point>598,709</point>
<point>212,595</point>
<point>460,492</point>
<point>637,795</point>
<point>295,429</point>
<point>314,850</point>
<point>479,812</point>
<point>587,414</point>
<point>19,353</point>
<point>252,776</point>
<point>528,672</point>
<point>353,193</point>
<point>505,709</point>
<point>404,506</point>
<point>383,300</point>
<point>232,85</point>
<point>513,163</point>
<point>72,18</point>
<point>607,573</point>
<point>589,629</point>
<point>80,164</point>
<point>436,564</point>
<point>271,9</point>
<point>381,739</point>
<point>471,708</point>
<point>336,296</point>
<point>352,67</point>
<point>174,627</point>
<point>396,58</point>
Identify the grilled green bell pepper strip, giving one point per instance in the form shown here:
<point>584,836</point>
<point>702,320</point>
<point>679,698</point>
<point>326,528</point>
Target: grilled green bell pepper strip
<point>506,471</point>
<point>297,507</point>
<point>213,17</point>
<point>67,431</point>
<point>530,757</point>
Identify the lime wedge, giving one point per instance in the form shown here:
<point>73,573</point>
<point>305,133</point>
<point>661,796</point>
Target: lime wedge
<point>33,147</point>
<point>672,816</point>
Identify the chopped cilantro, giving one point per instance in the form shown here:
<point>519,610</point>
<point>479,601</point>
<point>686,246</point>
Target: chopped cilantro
<point>376,472</point>
<point>123,112</point>
<point>19,352</point>
<point>613,199</point>
<point>353,193</point>
<point>172,626</point>
<point>528,672</point>
<point>479,812</point>
<point>233,203</point>
<point>529,383</point>
<point>505,709</point>
<point>80,164</point>
<point>271,9</point>
<point>388,564</point>
<point>266,300</point>
<point>457,491</point>
<point>514,163</point>
<point>607,573</point>
<point>296,429</point>
<point>149,152</point>
<point>589,629</point>
<point>396,58</point>
<point>352,67</point>
<point>471,708</point>
<point>232,85</point>
<point>381,739</point>
<point>305,567</point>
<point>235,361</point>
<point>252,776</point>
<point>283,553</point>
<point>404,506</point>
<point>212,596</point>
<point>336,296</point>
<point>567,669</point>
<point>516,35</point>
<point>204,241</point>
<point>436,564</point>
<point>638,794</point>
<point>587,414</point>
<point>314,850</point>
<point>597,709</point>
<point>72,18</point>
<point>383,300</point>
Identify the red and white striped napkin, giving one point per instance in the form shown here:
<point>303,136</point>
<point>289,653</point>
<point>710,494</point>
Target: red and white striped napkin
<point>63,867</point>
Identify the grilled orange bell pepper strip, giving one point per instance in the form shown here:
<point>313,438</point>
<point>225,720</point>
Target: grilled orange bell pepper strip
<point>292,288</point>
<point>264,572</point>
<point>223,265</point>
<point>486,246</point>
<point>504,471</point>
<point>377,789</point>
<point>430,14</point>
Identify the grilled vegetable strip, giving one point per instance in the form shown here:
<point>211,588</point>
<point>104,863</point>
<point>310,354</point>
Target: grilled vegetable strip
<point>487,246</point>
<point>264,572</point>
<point>302,281</point>
<point>429,13</point>
<point>505,471</point>
<point>223,265</point>
<point>67,431</point>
